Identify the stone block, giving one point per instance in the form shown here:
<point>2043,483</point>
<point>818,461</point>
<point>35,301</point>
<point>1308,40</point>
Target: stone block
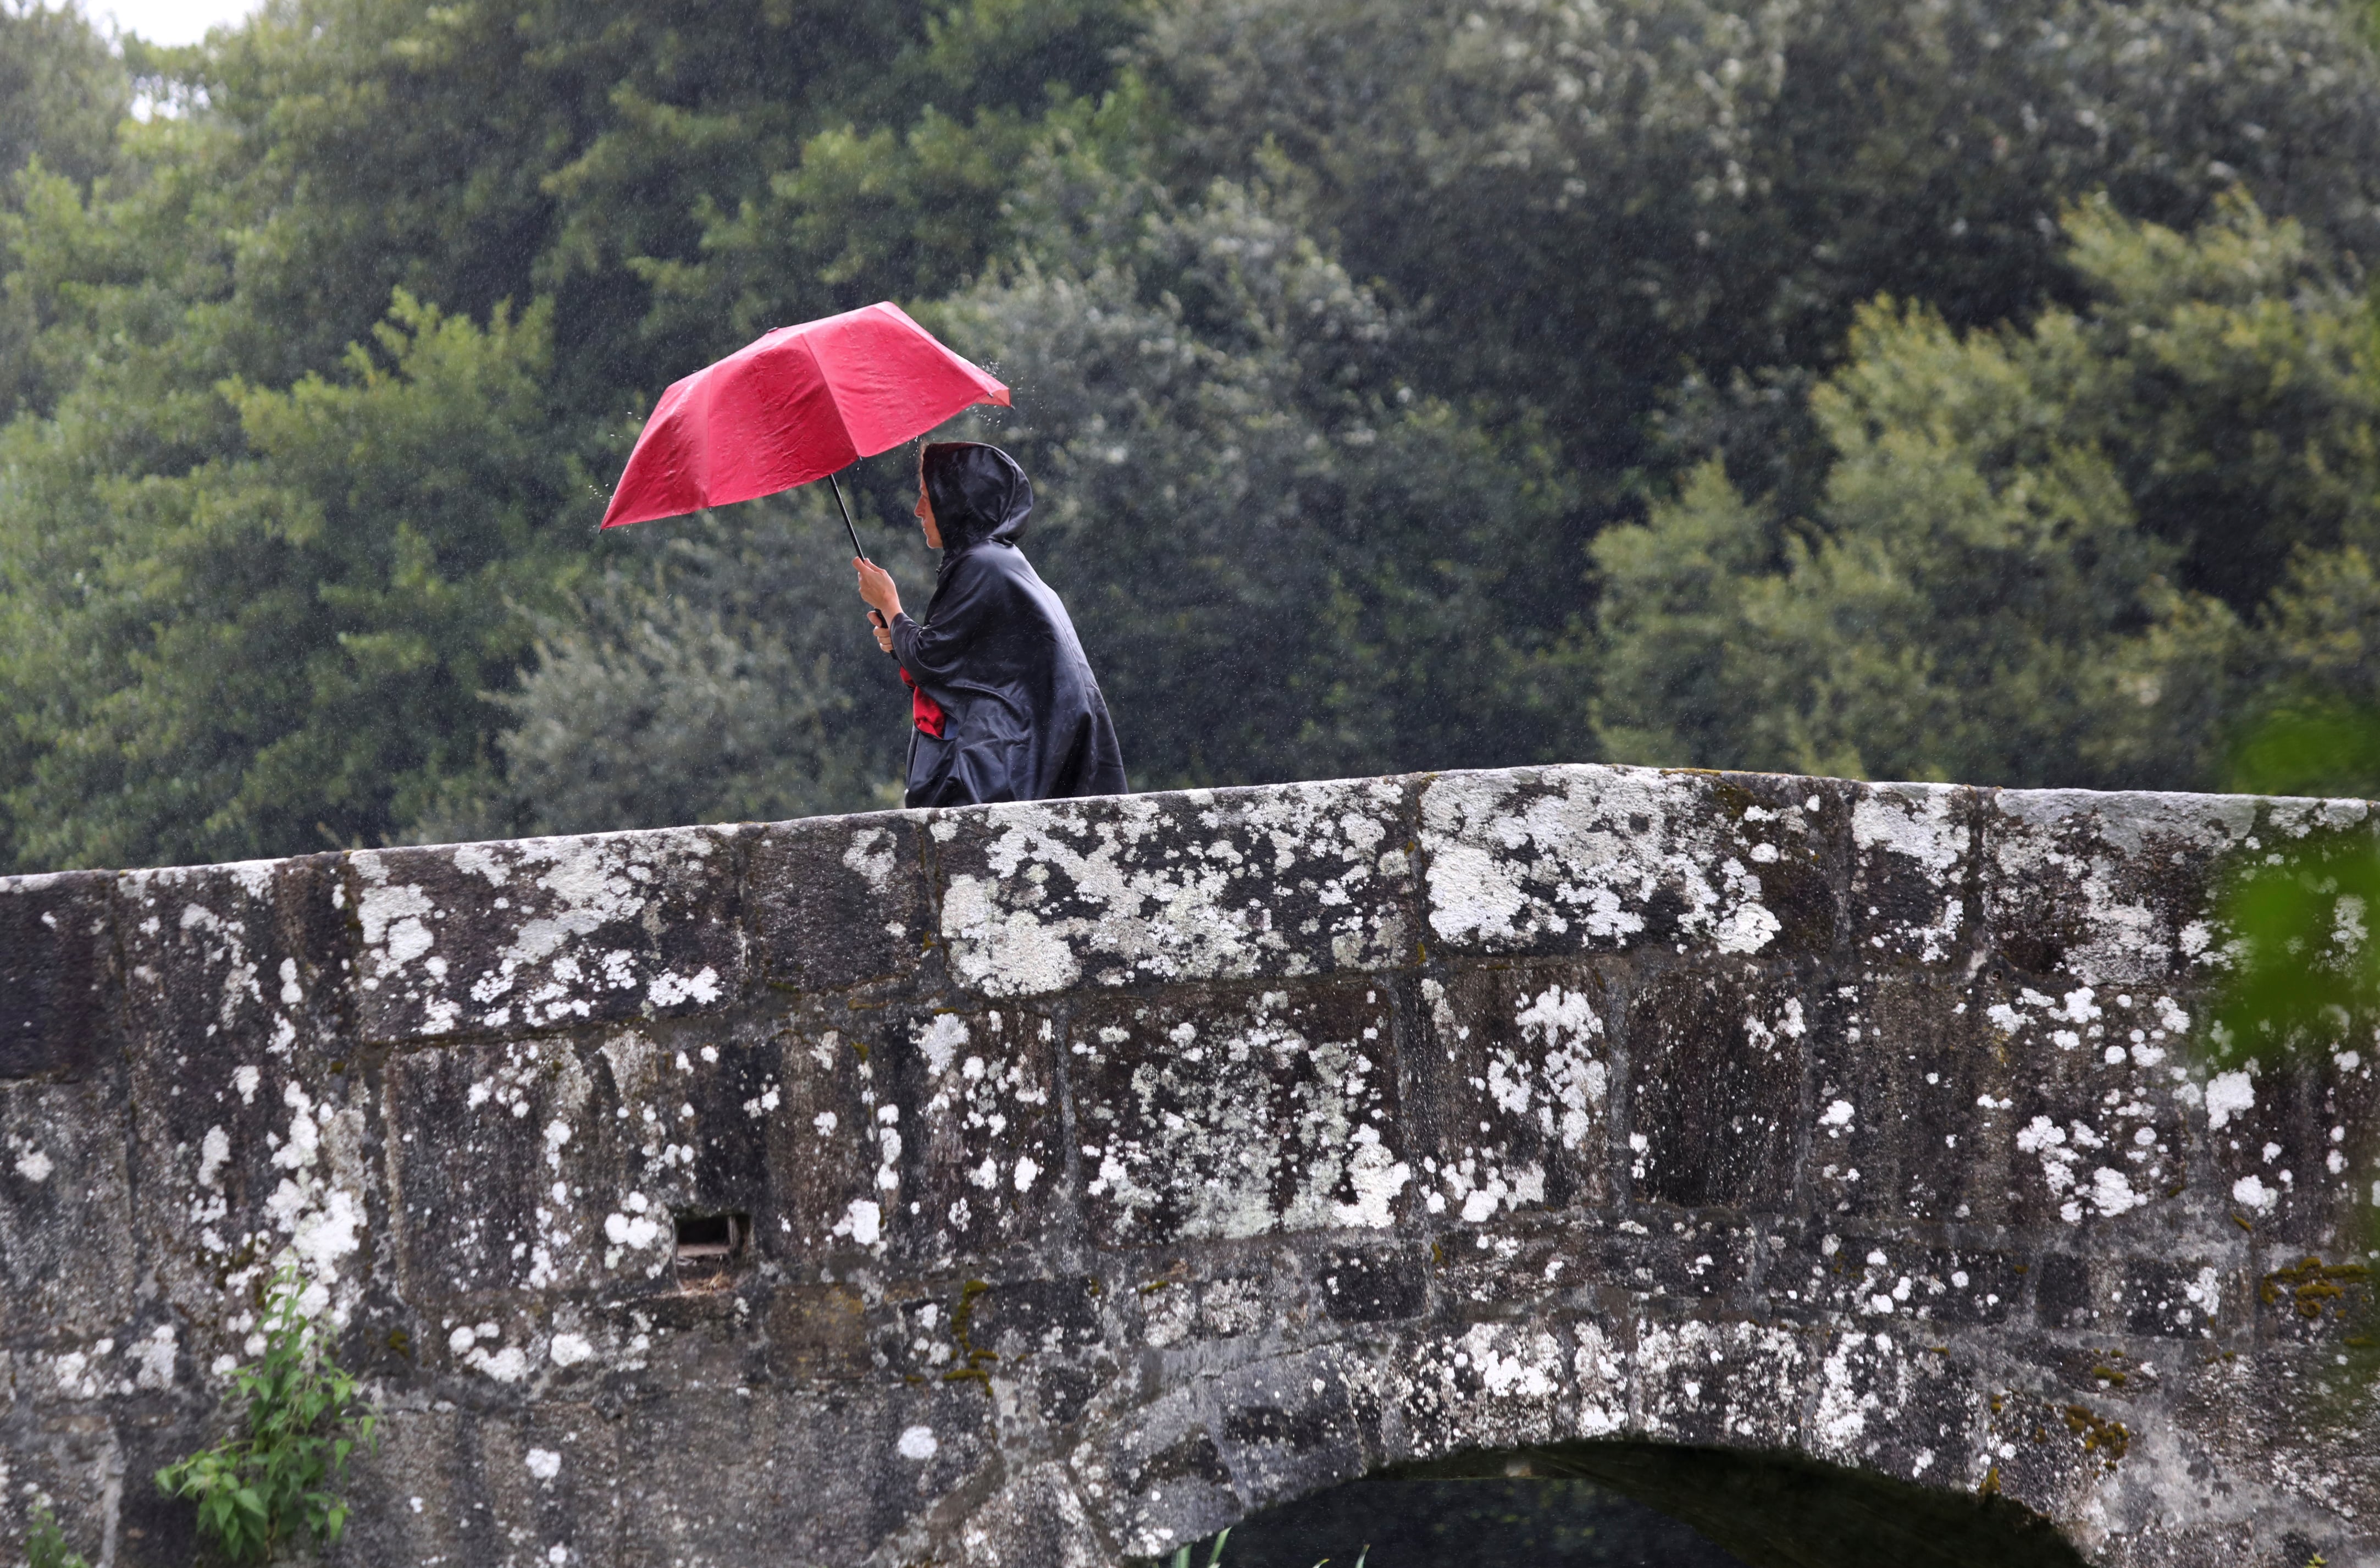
<point>982,1163</point>
<point>251,1126</point>
<point>1504,1385</point>
<point>485,1488</point>
<point>2069,1291</point>
<point>2284,1140</point>
<point>818,1333</point>
<point>1283,881</point>
<point>56,966</point>
<point>1017,1319</point>
<point>1041,1346</point>
<point>713,1476</point>
<point>1519,1257</point>
<point>1520,1064</point>
<point>559,1163</point>
<point>1590,859</point>
<point>1917,875</point>
<point>72,1460</point>
<point>2298,1296</point>
<point>1288,1426</point>
<point>2187,1297</point>
<point>1910,1073</point>
<point>1154,1478</point>
<point>1374,1284</point>
<point>1726,1384</point>
<point>840,900</point>
<point>243,1159</point>
<point>831,1168</point>
<point>66,1260</point>
<point>2118,890</point>
<point>152,1529</point>
<point>1886,1400</point>
<point>1238,1114</point>
<point>1239,1296</point>
<point>254,953</point>
<point>1894,1282</point>
<point>2052,1449</point>
<point>1037,1520</point>
<point>1715,1063</point>
<point>2093,1125</point>
<point>1694,1265</point>
<point>546,932</point>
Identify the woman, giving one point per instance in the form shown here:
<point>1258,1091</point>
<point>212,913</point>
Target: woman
<point>1006,704</point>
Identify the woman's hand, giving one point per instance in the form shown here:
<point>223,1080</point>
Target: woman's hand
<point>884,633</point>
<point>876,587</point>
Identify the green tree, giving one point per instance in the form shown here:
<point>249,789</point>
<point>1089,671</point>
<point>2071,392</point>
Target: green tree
<point>206,492</point>
<point>2001,578</point>
<point>1583,202</point>
<point>287,647</point>
<point>1389,309</point>
<point>62,91</point>
<point>1284,560</point>
<point>723,673</point>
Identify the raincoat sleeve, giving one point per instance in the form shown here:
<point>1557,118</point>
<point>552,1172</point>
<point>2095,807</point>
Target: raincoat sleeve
<point>965,607</point>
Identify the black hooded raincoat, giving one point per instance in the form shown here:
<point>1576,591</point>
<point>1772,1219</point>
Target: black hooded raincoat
<point>1007,708</point>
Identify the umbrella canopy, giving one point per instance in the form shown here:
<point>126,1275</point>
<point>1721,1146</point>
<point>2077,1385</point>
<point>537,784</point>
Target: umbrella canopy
<point>794,407</point>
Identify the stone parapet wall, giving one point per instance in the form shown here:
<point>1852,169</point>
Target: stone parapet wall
<point>1112,1168</point>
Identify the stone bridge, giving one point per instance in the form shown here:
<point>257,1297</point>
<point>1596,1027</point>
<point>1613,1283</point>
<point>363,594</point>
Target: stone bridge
<point>1048,1185</point>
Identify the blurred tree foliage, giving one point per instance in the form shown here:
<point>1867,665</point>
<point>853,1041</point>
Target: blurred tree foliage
<point>1981,389</point>
<point>1991,582</point>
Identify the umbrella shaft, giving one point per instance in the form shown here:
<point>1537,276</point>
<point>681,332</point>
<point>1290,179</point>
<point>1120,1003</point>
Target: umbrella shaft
<point>837,488</point>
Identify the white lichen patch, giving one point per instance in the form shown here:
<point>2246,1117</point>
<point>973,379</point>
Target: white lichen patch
<point>312,1216</point>
<point>1277,1119</point>
<point>1539,1085</point>
<point>2087,855</point>
<point>1502,1385</point>
<point>1290,880</point>
<point>1868,1385</point>
<point>1918,822</point>
<point>985,1119</point>
<point>1585,857</point>
<point>1740,1380</point>
<point>567,937</point>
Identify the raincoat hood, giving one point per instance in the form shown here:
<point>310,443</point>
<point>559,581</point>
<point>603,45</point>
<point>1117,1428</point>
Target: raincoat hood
<point>979,495</point>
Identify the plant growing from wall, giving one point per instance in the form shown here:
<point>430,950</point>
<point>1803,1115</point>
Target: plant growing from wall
<point>2303,970</point>
<point>259,1489</point>
<point>45,1545</point>
<point>2301,966</point>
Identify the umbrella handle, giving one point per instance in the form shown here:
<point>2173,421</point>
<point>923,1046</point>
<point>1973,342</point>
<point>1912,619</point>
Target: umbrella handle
<point>846,517</point>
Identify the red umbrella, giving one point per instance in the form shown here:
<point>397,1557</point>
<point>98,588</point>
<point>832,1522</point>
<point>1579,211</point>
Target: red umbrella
<point>799,405</point>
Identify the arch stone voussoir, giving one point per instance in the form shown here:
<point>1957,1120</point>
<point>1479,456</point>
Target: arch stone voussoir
<point>1080,1177</point>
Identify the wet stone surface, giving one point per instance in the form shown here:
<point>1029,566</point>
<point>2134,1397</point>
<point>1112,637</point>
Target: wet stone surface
<point>1100,1172</point>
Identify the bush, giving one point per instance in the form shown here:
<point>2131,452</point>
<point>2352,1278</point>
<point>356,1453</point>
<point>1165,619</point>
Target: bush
<point>255,1490</point>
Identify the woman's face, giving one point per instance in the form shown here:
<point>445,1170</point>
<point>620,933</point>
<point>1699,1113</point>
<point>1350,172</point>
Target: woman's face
<point>925,509</point>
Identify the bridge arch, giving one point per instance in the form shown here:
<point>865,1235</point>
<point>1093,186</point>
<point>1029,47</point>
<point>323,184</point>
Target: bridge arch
<point>1614,1502</point>
<point>1055,1182</point>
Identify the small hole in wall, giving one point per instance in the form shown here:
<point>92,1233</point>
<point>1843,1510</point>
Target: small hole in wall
<point>710,1247</point>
